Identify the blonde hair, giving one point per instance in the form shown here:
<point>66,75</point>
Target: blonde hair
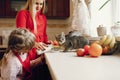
<point>30,7</point>
<point>21,38</point>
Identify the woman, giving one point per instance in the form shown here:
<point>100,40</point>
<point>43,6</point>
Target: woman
<point>32,17</point>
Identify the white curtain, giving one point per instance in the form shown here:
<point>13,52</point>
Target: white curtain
<point>116,10</point>
<point>81,17</point>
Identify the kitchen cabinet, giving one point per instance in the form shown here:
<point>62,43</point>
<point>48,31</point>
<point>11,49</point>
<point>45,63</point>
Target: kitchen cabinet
<point>12,7</point>
<point>56,9</point>
<point>9,8</point>
<point>2,11</point>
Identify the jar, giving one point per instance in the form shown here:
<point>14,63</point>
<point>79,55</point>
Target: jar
<point>116,30</point>
<point>101,31</point>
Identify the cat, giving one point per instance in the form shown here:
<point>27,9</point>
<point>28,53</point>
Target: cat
<point>73,40</point>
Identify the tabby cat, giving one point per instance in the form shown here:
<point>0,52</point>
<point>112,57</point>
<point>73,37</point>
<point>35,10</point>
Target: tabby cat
<point>73,40</point>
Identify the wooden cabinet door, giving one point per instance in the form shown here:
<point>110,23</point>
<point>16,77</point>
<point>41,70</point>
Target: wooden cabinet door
<point>48,8</point>
<point>13,6</point>
<point>58,9</point>
<point>10,12</point>
<point>2,8</point>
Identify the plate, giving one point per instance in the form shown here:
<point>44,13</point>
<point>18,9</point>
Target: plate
<point>47,49</point>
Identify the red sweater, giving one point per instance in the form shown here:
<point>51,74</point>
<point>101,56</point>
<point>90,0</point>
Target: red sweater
<point>24,20</point>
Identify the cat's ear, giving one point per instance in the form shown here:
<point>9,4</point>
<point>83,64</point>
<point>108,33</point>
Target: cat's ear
<point>63,34</point>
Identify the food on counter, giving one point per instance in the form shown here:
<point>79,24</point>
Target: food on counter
<point>80,52</point>
<point>105,46</point>
<point>83,51</point>
<point>102,39</point>
<point>95,50</point>
<point>107,40</point>
<point>108,43</point>
<point>86,47</point>
<point>55,42</point>
<point>112,43</point>
<point>105,50</point>
<point>116,48</point>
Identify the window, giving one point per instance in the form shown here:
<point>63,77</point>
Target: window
<point>116,10</point>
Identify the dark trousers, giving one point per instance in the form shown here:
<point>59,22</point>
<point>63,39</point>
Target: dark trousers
<point>41,72</point>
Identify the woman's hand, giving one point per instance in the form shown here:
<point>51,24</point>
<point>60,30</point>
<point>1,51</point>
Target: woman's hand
<point>40,45</point>
<point>48,42</point>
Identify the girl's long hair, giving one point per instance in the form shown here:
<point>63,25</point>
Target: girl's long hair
<point>18,39</point>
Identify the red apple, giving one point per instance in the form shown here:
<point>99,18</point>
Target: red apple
<point>55,42</point>
<point>86,47</point>
<point>80,52</point>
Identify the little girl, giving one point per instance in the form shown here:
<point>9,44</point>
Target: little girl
<point>16,61</point>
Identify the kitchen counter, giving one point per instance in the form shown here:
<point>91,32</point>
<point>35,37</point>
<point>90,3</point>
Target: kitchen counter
<point>3,46</point>
<point>67,66</point>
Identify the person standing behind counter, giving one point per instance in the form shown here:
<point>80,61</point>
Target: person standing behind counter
<point>32,18</point>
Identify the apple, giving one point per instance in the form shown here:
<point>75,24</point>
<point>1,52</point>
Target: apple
<point>55,42</point>
<point>86,47</point>
<point>80,52</point>
<point>95,50</point>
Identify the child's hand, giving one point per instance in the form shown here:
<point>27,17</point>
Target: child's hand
<point>37,61</point>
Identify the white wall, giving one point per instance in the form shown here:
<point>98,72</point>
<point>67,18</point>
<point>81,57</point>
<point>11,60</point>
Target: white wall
<point>98,17</point>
